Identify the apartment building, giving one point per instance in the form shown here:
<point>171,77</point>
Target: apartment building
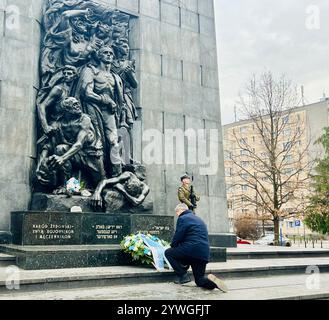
<point>302,127</point>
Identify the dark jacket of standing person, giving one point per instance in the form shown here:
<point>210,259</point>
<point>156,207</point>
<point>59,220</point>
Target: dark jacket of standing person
<point>192,236</point>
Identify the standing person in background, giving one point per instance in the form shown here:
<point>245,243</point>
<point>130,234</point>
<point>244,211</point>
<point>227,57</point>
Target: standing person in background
<point>186,193</point>
<point>190,247</point>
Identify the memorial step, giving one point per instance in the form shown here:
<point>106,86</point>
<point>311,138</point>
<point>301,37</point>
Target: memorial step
<point>288,287</point>
<point>7,260</point>
<point>275,252</point>
<point>85,256</point>
<point>128,275</point>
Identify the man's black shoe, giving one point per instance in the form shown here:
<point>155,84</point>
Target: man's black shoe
<point>184,279</point>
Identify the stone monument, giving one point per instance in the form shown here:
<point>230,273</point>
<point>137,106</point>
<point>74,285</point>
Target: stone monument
<point>75,129</point>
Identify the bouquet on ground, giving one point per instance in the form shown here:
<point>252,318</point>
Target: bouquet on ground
<point>146,249</point>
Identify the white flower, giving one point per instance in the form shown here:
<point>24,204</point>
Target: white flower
<point>73,185</point>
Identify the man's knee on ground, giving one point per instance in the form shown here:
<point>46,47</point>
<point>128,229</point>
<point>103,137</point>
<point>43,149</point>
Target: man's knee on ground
<point>200,282</point>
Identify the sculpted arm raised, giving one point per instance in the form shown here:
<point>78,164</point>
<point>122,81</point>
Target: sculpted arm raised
<point>131,76</point>
<point>53,96</point>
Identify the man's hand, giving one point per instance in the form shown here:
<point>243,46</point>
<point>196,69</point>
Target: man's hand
<point>56,161</point>
<point>96,44</point>
<point>108,101</point>
<point>96,201</point>
<point>42,177</point>
<point>50,130</point>
<point>88,13</point>
<point>129,69</point>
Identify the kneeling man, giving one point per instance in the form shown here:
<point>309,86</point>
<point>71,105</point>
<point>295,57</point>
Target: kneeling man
<point>190,247</point>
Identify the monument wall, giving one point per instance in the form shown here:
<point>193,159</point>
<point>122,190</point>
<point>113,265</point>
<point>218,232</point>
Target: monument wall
<point>19,57</point>
<point>174,45</point>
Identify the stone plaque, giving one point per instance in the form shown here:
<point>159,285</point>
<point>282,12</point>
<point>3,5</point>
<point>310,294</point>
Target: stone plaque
<point>160,226</point>
<point>39,228</point>
<point>60,228</point>
<point>105,229</point>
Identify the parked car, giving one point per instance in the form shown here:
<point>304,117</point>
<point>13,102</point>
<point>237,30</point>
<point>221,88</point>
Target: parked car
<point>269,241</point>
<point>241,241</point>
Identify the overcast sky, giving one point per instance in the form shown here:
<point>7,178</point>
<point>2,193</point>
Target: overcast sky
<point>284,36</point>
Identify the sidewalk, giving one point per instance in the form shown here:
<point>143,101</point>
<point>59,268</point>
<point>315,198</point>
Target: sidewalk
<point>258,248</point>
<point>267,288</point>
<point>282,276</point>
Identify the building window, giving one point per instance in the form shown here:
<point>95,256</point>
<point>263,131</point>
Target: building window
<point>244,176</point>
<point>243,140</point>
<point>244,187</point>
<point>228,172</point>
<point>227,155</point>
<point>244,164</point>
<point>288,158</point>
<point>285,120</point>
<point>244,152</point>
<point>287,132</point>
<point>288,171</point>
<point>243,129</point>
<point>287,145</point>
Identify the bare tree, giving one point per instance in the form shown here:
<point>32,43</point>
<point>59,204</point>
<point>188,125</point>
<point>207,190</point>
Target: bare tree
<point>275,166</point>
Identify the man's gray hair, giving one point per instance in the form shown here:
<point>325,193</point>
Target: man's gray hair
<point>181,206</point>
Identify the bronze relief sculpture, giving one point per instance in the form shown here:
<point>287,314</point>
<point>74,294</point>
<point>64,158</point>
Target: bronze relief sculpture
<point>85,103</point>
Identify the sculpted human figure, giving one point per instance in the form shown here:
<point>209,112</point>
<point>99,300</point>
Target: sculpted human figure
<point>102,93</point>
<point>126,70</point>
<point>102,34</point>
<point>67,43</point>
<point>55,8</point>
<point>76,147</point>
<point>85,105</point>
<point>49,108</point>
<point>128,186</point>
<point>120,25</point>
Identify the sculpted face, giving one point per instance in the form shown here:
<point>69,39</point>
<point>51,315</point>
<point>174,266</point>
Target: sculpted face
<point>133,187</point>
<point>72,106</point>
<point>125,49</point>
<point>69,75</point>
<point>76,108</point>
<point>103,29</point>
<point>106,55</point>
<point>80,25</point>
